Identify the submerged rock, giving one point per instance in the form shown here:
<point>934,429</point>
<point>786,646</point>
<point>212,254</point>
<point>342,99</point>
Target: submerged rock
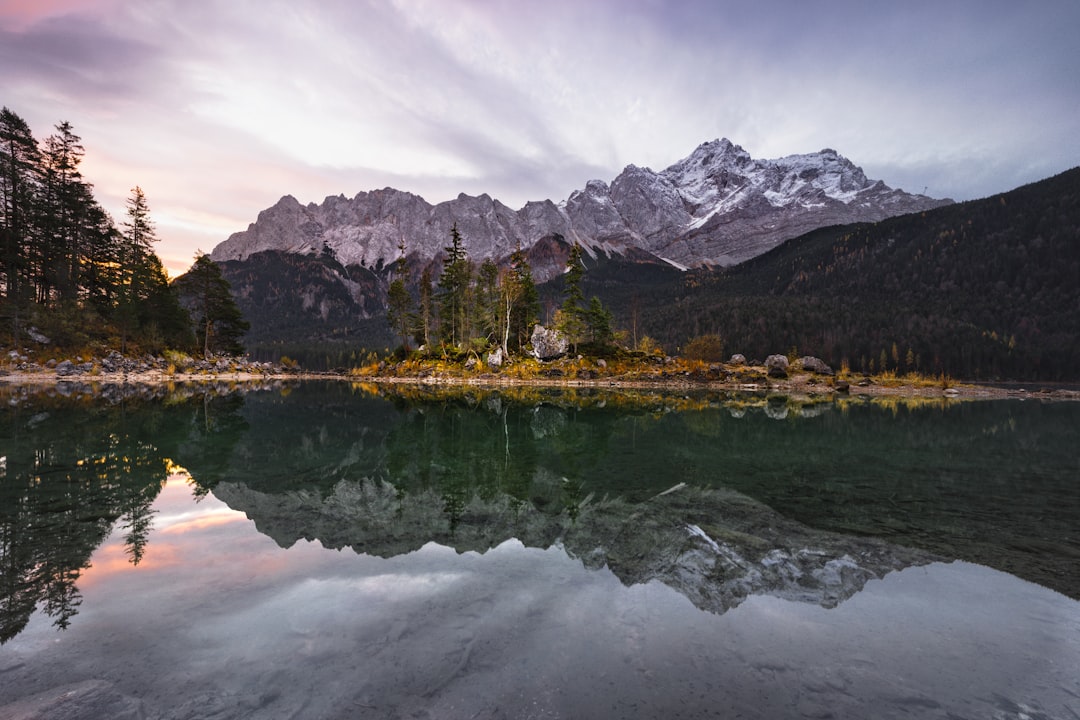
<point>78,701</point>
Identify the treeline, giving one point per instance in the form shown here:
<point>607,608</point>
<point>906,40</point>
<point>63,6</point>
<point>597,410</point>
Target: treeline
<point>69,274</point>
<point>471,308</point>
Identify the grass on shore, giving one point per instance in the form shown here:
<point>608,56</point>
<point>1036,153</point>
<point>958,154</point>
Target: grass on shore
<point>638,367</point>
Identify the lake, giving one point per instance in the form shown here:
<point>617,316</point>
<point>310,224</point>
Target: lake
<point>336,550</point>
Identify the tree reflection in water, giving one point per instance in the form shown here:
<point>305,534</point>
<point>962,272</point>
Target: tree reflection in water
<point>72,472</point>
<point>387,472</point>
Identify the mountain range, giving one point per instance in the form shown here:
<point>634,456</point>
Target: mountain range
<point>716,207</point>
<point>802,252</point>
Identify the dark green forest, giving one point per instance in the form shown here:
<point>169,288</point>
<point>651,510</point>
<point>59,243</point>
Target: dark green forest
<point>298,307</point>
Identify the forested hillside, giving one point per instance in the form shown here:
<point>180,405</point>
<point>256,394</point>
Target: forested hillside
<point>983,289</point>
<point>341,310</point>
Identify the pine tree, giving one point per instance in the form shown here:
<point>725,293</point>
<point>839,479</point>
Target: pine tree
<point>132,257</point>
<point>487,300</point>
<point>599,321</point>
<point>427,309</point>
<point>64,205</point>
<point>399,310</point>
<point>60,252</point>
<point>523,300</point>
<point>572,314</point>
<point>454,291</point>
<point>20,159</point>
<point>139,228</point>
<point>218,321</point>
<point>101,273</point>
<point>161,320</point>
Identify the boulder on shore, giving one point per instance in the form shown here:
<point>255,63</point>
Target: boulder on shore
<point>815,365</point>
<point>548,344</point>
<point>777,366</point>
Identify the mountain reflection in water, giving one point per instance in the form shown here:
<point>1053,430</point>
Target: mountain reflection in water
<point>717,496</point>
<point>534,553</point>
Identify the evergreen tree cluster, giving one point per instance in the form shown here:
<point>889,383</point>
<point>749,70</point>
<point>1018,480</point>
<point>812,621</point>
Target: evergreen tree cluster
<point>582,322</point>
<point>65,266</point>
<point>467,307</point>
<point>62,253</point>
<point>219,325</point>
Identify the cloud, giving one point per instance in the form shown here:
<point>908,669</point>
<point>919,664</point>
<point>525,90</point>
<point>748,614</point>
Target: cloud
<point>217,108</point>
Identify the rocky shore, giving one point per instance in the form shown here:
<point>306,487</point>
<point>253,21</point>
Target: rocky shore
<point>807,377</point>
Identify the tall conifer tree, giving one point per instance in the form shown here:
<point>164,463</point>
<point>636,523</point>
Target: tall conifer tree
<point>219,324</point>
<point>20,161</point>
<point>454,291</point>
<point>524,310</point>
<point>399,303</point>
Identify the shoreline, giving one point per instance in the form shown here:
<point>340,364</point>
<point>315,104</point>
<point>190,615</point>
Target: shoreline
<point>805,384</point>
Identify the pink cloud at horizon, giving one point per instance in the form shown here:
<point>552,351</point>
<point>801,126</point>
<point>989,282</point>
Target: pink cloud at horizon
<point>21,14</point>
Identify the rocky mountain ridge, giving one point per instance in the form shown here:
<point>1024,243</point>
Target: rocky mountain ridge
<point>718,206</point>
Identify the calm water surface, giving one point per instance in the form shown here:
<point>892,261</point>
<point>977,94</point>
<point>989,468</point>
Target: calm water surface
<point>320,551</point>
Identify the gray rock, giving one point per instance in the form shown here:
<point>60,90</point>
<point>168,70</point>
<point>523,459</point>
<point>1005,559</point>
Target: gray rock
<point>777,366</point>
<point>737,359</point>
<point>548,344</point>
<point>35,335</point>
<point>815,365</point>
<point>65,368</point>
<point>495,358</point>
<point>471,363</point>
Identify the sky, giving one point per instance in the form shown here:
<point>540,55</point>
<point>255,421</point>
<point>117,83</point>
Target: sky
<point>217,108</point>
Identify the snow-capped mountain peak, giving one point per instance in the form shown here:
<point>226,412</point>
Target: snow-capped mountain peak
<point>716,206</point>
